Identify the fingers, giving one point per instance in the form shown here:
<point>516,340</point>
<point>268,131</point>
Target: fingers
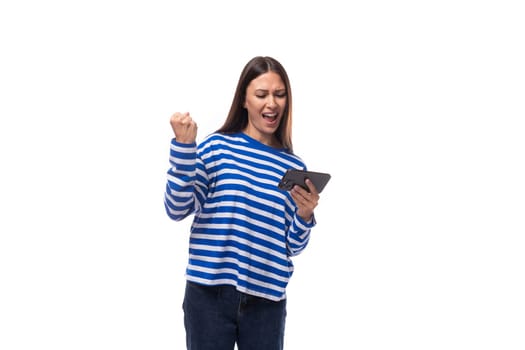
<point>304,198</point>
<point>180,118</point>
<point>311,195</point>
<point>305,201</point>
<point>184,127</point>
<point>311,187</point>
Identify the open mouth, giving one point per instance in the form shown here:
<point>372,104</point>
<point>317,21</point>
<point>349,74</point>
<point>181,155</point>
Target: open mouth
<point>270,116</point>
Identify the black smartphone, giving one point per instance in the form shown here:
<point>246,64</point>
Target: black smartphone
<point>297,177</point>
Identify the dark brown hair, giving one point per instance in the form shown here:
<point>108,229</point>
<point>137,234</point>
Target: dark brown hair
<point>237,119</point>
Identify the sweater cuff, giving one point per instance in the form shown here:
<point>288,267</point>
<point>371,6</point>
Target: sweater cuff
<point>183,155</point>
<point>305,225</point>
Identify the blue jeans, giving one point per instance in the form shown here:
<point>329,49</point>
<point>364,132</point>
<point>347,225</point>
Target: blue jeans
<point>217,317</point>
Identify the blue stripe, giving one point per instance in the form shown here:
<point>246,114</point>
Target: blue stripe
<point>254,216</point>
<point>234,255</point>
<point>248,202</point>
<point>241,246</point>
<point>241,270</point>
<point>251,227</point>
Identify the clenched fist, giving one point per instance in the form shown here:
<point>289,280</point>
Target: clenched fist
<point>184,127</point>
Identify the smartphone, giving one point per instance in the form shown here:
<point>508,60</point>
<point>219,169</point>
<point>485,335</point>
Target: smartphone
<point>297,177</point>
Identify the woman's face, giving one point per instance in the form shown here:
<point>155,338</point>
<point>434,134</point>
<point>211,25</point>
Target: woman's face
<point>265,102</point>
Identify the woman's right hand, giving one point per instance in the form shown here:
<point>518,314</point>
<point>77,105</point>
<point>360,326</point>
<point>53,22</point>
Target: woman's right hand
<point>184,128</point>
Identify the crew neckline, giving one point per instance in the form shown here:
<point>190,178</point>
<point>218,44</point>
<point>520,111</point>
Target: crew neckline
<point>259,143</point>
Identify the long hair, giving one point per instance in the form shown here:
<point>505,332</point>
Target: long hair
<point>237,119</point>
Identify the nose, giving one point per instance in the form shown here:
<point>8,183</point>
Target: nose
<point>271,101</point>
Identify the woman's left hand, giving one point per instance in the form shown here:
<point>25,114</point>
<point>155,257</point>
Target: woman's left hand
<point>305,201</point>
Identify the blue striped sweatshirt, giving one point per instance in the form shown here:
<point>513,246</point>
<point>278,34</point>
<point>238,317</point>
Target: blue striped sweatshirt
<point>245,229</point>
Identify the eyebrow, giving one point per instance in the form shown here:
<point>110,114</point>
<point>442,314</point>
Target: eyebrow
<point>266,90</point>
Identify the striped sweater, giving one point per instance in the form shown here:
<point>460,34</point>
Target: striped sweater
<point>245,229</point>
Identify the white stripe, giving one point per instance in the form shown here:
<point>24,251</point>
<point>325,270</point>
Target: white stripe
<point>181,149</point>
<point>247,219</point>
<point>274,192</point>
<point>222,170</point>
<point>241,252</point>
<point>249,149</point>
<point>182,161</point>
<point>248,196</point>
<point>268,165</point>
<point>231,270</point>
<point>178,181</point>
<point>247,242</point>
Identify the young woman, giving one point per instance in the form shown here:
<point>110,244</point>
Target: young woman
<point>245,229</point>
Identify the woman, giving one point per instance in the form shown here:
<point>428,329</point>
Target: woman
<point>245,229</point>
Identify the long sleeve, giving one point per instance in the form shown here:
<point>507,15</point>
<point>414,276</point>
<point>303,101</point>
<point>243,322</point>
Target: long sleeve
<point>186,185</point>
<point>298,233</point>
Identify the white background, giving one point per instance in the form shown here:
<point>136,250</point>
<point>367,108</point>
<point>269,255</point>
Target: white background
<point>416,108</point>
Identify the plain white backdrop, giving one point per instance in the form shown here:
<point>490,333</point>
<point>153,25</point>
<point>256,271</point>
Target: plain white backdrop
<point>415,108</point>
